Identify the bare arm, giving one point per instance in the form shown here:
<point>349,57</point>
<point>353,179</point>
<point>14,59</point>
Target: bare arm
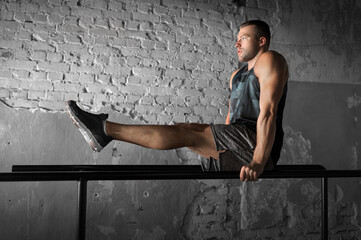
<point>229,103</point>
<point>272,73</point>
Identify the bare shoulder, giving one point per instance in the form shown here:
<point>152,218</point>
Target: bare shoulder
<point>271,61</point>
<point>232,76</point>
<point>270,58</point>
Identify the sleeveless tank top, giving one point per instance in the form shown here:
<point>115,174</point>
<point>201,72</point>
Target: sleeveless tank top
<point>244,106</point>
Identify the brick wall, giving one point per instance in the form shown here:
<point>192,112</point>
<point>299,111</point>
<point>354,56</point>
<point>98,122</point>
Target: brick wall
<point>159,61</point>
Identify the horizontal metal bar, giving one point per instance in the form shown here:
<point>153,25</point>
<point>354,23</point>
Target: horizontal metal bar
<point>105,168</point>
<point>140,168</point>
<point>161,175</point>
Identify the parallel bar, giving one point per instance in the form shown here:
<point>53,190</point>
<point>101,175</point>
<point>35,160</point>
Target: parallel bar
<point>82,199</point>
<point>162,175</point>
<point>145,168</point>
<point>324,210</point>
<point>114,168</point>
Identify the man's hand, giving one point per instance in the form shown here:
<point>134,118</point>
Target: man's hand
<point>251,171</point>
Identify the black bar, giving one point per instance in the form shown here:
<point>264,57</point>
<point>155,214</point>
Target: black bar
<point>113,168</point>
<point>162,175</point>
<point>82,199</point>
<point>324,210</point>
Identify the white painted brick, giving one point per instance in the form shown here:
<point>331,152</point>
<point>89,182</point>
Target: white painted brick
<point>21,74</point>
<point>38,55</point>
<point>37,75</point>
<point>142,108</point>
<point>116,6</point>
<point>101,88</point>
<point>10,44</point>
<point>176,73</point>
<point>117,70</point>
<point>216,92</point>
<point>10,83</point>
<point>217,24</point>
<point>157,54</point>
<point>178,119</point>
<point>67,87</point>
<point>132,34</point>
<point>146,26</point>
<point>103,32</point>
<point>202,40</point>
<point>51,105</point>
<point>86,78</point>
<point>36,95</point>
<point>38,17</point>
<point>4,73</point>
<point>190,22</point>
<point>189,92</point>
<point>134,90</point>
<point>57,96</point>
<point>147,100</point>
<point>164,119</point>
<point>193,119</point>
<point>67,28</point>
<point>82,11</point>
<point>55,18</point>
<point>95,69</point>
<point>149,80</point>
<point>19,64</point>
<point>4,93</point>
<point>74,48</point>
<point>150,118</point>
<point>36,85</point>
<point>23,35</point>
<point>54,67</point>
<point>133,43</point>
<point>153,2</point>
<point>28,7</point>
<point>145,17</point>
<point>70,96</point>
<point>161,91</point>
<point>70,38</point>
<point>116,15</point>
<point>178,110</point>
<point>86,97</point>
<point>162,100</point>
<point>10,24</point>
<point>133,99</point>
<point>146,71</point>
<point>71,77</point>
<point>175,3</point>
<point>39,27</point>
<point>134,80</point>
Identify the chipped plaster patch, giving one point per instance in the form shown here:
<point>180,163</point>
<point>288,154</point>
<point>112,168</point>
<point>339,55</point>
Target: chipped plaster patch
<point>353,101</point>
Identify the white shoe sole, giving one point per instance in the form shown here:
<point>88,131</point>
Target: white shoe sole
<point>90,139</point>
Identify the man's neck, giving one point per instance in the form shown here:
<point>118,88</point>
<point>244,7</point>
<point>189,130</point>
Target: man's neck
<point>253,61</point>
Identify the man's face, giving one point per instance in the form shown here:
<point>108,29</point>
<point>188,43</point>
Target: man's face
<point>247,43</point>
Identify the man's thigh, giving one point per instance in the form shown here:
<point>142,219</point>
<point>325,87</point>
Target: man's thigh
<point>202,140</point>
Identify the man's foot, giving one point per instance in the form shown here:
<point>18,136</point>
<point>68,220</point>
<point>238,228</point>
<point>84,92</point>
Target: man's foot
<point>92,126</point>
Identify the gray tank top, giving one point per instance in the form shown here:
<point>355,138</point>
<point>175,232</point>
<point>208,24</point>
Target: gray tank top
<point>244,106</point>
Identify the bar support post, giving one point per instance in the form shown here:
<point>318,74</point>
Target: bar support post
<point>82,197</point>
<point>324,209</point>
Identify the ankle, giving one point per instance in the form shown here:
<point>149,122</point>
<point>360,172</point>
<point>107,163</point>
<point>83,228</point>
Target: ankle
<point>106,126</point>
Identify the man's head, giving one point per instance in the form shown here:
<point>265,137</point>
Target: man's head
<point>253,36</point>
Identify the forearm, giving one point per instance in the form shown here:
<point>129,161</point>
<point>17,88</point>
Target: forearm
<point>266,131</point>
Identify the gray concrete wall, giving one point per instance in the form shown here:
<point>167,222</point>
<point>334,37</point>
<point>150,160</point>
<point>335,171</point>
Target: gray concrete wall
<point>163,62</point>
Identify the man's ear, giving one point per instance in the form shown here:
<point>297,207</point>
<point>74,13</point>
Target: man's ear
<point>262,41</point>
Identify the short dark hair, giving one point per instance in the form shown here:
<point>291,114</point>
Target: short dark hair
<point>262,29</point>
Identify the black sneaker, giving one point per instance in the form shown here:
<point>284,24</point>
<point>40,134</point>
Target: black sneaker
<point>91,126</point>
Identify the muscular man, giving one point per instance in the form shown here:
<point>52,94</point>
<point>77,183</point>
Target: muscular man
<point>251,139</point>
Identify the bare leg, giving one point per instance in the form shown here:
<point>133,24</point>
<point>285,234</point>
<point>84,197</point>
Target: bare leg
<point>197,137</point>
